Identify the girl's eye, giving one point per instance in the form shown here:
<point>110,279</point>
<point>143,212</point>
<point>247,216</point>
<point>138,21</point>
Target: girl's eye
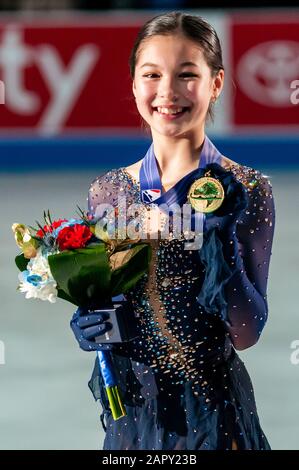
<point>188,74</point>
<point>150,75</point>
<point>183,74</point>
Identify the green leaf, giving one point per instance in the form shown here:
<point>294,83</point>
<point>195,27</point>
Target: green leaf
<point>21,262</point>
<point>136,264</point>
<point>62,295</point>
<point>83,276</point>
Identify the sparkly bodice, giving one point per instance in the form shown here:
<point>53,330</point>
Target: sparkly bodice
<point>173,332</point>
<point>177,339</point>
<point>175,335</point>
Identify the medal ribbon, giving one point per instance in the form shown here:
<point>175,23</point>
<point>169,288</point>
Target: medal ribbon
<point>151,186</point>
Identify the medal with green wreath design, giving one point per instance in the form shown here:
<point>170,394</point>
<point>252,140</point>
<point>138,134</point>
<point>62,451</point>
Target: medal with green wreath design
<point>206,194</point>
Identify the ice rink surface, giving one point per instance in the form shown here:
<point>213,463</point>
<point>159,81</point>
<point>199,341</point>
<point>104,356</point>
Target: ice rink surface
<point>45,402</point>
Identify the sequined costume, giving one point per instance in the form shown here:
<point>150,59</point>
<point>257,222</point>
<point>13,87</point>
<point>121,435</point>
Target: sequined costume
<point>182,381</point>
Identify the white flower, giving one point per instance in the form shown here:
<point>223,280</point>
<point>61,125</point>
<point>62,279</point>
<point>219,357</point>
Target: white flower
<point>37,281</point>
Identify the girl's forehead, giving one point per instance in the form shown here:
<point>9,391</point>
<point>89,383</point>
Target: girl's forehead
<point>161,47</point>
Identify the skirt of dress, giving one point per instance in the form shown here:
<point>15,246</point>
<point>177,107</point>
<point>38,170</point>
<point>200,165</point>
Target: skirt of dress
<point>182,418</point>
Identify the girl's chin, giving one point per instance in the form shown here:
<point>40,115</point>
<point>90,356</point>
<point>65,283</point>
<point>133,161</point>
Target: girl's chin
<point>175,133</point>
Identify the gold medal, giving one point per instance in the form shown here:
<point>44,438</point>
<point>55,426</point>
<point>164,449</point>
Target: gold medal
<point>206,194</point>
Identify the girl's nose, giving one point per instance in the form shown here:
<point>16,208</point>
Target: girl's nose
<point>167,90</point>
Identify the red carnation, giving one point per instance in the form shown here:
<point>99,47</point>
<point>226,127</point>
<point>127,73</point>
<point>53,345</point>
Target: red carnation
<point>50,228</point>
<point>75,236</point>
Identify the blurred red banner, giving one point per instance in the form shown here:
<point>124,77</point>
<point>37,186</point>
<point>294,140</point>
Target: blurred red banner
<point>71,74</point>
<point>265,69</point>
<point>60,77</point>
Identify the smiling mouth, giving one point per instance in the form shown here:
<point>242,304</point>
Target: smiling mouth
<point>179,111</point>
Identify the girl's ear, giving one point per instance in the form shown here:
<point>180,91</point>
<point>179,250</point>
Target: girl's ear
<point>134,89</point>
<point>218,83</point>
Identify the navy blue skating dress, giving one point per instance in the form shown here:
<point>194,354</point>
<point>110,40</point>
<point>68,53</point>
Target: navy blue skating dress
<point>182,382</point>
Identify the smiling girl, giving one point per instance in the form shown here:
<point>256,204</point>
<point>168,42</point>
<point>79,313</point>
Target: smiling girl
<point>183,384</point>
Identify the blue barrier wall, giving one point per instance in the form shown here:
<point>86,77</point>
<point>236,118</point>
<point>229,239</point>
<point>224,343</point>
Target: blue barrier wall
<point>71,153</point>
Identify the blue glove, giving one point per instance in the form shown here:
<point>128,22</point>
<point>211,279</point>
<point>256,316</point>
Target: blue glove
<point>87,325</point>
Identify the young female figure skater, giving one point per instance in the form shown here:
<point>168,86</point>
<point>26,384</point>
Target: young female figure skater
<point>182,381</point>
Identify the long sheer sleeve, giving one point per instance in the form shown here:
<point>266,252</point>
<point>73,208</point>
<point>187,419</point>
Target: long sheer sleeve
<point>250,250</point>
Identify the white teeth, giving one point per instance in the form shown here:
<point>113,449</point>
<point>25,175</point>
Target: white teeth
<point>169,110</point>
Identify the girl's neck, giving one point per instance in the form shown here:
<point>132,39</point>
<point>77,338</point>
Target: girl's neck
<point>177,154</point>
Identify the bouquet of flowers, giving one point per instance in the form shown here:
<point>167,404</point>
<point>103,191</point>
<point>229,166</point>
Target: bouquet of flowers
<point>77,261</point>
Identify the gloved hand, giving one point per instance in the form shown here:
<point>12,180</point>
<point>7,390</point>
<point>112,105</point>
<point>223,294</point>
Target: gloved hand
<point>87,325</point>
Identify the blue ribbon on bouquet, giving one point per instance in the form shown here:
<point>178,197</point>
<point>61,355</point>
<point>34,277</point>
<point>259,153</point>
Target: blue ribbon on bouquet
<point>107,369</point>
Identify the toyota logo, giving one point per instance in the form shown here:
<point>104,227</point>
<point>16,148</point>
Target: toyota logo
<point>266,71</point>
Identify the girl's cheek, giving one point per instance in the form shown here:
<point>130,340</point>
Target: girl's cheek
<point>192,89</point>
<point>146,89</point>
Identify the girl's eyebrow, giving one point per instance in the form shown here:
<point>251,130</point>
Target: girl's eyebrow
<point>183,64</point>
